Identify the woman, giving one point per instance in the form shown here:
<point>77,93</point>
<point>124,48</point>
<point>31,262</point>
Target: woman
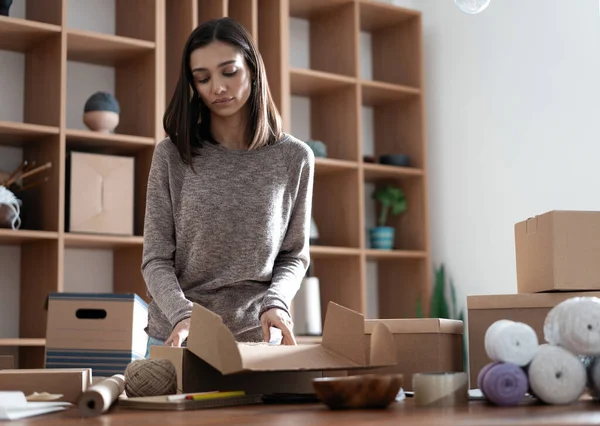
<point>229,197</point>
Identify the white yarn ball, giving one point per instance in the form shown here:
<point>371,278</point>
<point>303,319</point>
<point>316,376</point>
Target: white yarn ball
<point>575,325</point>
<point>511,341</point>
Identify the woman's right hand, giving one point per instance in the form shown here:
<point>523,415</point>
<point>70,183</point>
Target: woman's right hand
<point>179,333</point>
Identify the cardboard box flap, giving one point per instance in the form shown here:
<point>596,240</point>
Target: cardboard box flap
<point>343,345</point>
<point>417,325</point>
<point>516,301</point>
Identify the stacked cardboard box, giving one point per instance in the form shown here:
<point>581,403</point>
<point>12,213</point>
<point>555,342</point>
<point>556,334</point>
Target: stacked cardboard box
<point>557,257</point>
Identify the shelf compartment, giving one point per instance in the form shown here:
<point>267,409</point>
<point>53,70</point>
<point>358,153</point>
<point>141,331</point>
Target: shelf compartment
<point>92,241</point>
<point>336,209</point>
<point>332,118</point>
<point>378,172</point>
<point>305,82</point>
<point>332,34</point>
<point>326,252</point>
<point>327,166</point>
<point>106,143</point>
<point>181,19</point>
<point>393,29</point>
<point>104,49</point>
<point>378,93</point>
<point>20,35</point>
<point>18,342</point>
<point>22,134</point>
<point>246,13</point>
<point>23,236</point>
<point>40,200</point>
<point>400,284</point>
<point>398,129</point>
<point>211,9</point>
<point>410,226</point>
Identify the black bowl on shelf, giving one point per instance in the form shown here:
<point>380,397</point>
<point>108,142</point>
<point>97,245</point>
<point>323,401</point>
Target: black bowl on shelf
<point>400,160</point>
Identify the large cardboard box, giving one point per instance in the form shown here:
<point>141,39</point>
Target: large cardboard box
<point>484,310</point>
<point>102,331</point>
<point>70,383</point>
<point>100,191</point>
<point>213,360</point>
<point>424,345</point>
<point>558,250</point>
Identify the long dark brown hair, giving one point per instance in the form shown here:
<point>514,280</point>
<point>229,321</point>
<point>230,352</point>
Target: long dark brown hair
<point>187,119</point>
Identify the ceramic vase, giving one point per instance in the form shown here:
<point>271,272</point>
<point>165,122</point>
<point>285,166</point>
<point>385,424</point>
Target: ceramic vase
<point>101,112</point>
<point>307,308</point>
<point>382,237</point>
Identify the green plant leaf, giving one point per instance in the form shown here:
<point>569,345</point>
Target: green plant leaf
<point>419,308</point>
<point>453,298</point>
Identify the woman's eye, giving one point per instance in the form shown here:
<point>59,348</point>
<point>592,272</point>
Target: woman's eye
<point>203,81</point>
<point>230,73</point>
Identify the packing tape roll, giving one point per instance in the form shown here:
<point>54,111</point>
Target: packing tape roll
<point>440,389</point>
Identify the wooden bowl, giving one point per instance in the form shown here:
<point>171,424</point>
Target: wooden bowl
<point>360,391</point>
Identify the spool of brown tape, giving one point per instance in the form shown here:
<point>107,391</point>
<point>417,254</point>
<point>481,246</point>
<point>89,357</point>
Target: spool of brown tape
<point>440,389</point>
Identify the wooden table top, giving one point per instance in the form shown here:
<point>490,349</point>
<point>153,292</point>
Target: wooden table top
<point>402,413</point>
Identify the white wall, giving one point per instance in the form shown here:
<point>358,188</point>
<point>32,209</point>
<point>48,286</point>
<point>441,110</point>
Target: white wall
<point>85,270</point>
<point>512,126</point>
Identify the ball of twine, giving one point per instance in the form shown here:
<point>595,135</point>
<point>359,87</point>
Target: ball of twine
<point>150,377</point>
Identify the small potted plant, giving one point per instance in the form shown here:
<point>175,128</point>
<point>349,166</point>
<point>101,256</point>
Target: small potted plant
<point>392,201</point>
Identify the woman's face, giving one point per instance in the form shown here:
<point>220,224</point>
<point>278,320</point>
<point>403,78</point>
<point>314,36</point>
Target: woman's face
<point>221,77</point>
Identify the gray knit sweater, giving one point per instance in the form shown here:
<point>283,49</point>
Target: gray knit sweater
<point>232,237</point>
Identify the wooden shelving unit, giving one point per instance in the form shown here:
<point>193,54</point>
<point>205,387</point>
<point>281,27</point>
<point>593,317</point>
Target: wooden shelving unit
<point>145,54</point>
<point>136,52</point>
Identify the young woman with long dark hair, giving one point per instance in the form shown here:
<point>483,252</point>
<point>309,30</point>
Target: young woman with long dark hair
<point>229,197</point>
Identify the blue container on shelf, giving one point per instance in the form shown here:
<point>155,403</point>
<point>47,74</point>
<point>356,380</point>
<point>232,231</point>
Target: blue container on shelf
<point>382,237</point>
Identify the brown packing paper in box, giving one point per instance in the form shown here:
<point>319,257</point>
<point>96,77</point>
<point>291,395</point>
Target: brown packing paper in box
<point>213,360</point>
<point>558,250</point>
<point>484,310</point>
<point>69,382</point>
<point>100,193</point>
<point>7,362</point>
<point>423,345</point>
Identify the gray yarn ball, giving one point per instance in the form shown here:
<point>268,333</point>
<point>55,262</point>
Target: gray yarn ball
<point>102,101</point>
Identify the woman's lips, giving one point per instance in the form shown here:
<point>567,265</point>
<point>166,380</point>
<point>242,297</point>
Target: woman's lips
<point>222,101</point>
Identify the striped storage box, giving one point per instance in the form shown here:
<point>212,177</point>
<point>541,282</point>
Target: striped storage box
<point>101,331</point>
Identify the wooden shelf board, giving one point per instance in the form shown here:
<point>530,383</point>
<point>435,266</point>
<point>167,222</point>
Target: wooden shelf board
<point>308,340</point>
<point>376,254</point>
<point>20,35</point>
<point>376,172</point>
<point>324,252</point>
<point>22,342</point>
<point>377,92</point>
<point>327,166</point>
<point>307,9</point>
<point>92,241</point>
<point>375,15</point>
<point>117,143</point>
<point>104,49</point>
<point>21,236</point>
<point>19,134</point>
<point>307,82</point>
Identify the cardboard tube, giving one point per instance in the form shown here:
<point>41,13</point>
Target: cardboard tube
<point>99,397</point>
<point>440,389</point>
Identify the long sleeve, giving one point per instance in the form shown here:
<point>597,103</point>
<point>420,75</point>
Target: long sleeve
<point>293,259</point>
<point>158,267</point>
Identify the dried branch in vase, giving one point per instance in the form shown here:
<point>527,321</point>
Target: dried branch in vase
<point>14,180</point>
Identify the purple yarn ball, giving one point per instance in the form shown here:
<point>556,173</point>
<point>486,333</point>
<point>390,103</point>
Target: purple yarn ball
<point>503,383</point>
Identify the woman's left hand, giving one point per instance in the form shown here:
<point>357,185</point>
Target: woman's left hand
<point>278,318</point>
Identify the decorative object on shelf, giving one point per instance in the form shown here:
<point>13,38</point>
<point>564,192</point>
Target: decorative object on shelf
<point>307,307</point>
<point>5,6</point>
<point>369,159</point>
<point>399,160</point>
<point>318,147</point>
<point>472,7</point>
<point>314,232</point>
<point>101,112</point>
<point>392,201</point>
<point>14,180</point>
<point>10,209</point>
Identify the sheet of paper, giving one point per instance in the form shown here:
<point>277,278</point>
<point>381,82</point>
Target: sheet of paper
<point>14,405</point>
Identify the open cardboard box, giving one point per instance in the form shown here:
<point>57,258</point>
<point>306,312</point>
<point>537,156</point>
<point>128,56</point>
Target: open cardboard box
<point>213,360</point>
